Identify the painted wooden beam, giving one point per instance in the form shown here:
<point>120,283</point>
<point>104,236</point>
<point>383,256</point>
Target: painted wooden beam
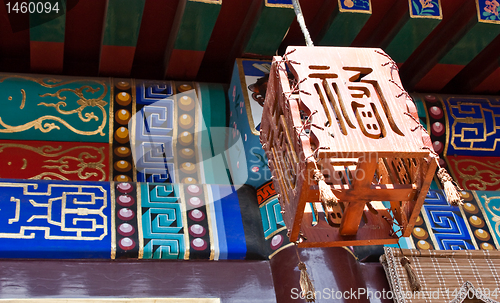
<point>376,21</point>
<point>346,22</point>
<point>193,31</point>
<point>83,37</point>
<point>418,22</point>
<point>316,15</point>
<point>226,40</point>
<point>157,21</point>
<point>121,30</point>
<point>387,27</point>
<point>270,27</point>
<point>480,75</point>
<point>490,84</point>
<point>15,42</point>
<point>456,16</point>
<point>47,39</point>
<point>481,30</point>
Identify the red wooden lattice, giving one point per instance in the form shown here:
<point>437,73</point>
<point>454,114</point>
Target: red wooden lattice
<point>344,111</point>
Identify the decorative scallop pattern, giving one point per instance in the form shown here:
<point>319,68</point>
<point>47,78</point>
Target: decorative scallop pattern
<point>197,219</point>
<point>477,223</point>
<point>127,237</point>
<point>124,107</point>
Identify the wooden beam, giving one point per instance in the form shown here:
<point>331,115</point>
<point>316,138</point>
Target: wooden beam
<point>345,23</point>
<point>351,218</point>
<point>190,38</point>
<point>156,26</point>
<point>121,31</point>
<point>270,27</point>
<point>417,23</point>
<point>83,37</point>
<point>47,39</point>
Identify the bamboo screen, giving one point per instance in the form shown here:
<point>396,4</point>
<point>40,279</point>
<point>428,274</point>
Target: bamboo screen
<point>445,275</point>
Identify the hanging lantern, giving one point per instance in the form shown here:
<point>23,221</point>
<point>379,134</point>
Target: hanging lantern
<point>342,135</point>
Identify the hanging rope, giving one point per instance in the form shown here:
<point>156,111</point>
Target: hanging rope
<point>306,284</point>
<point>450,189</point>
<point>405,261</point>
<point>410,272</point>
<point>302,22</point>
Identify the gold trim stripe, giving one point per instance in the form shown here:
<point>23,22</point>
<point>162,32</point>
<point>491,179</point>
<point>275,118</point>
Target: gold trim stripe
<point>111,125</point>
<point>139,221</point>
<point>113,219</point>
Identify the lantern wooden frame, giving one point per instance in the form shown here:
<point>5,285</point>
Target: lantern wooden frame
<point>344,112</point>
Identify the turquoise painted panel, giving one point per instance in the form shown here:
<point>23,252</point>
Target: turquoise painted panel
<point>246,95</point>
<point>490,203</point>
<point>162,224</point>
<point>53,109</point>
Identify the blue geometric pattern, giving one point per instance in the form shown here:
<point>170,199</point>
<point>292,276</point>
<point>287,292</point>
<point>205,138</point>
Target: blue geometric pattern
<point>474,126</point>
<point>151,92</point>
<point>272,220</point>
<point>447,223</point>
<point>162,222</point>
<point>153,140</point>
<point>42,219</point>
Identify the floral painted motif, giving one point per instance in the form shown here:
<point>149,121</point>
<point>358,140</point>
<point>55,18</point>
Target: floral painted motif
<point>491,10</point>
<point>363,5</point>
<point>425,8</point>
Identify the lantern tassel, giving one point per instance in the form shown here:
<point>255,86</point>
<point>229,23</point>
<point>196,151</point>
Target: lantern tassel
<point>325,192</point>
<point>306,284</point>
<point>450,190</point>
<point>412,277</point>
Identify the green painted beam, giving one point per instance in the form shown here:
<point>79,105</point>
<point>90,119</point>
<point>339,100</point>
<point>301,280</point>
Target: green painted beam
<point>197,24</point>
<point>472,43</point>
<point>49,26</point>
<point>346,22</point>
<point>419,22</point>
<point>121,31</point>
<point>123,22</point>
<point>271,27</point>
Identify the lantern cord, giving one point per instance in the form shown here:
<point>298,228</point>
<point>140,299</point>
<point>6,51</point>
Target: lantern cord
<point>302,22</point>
